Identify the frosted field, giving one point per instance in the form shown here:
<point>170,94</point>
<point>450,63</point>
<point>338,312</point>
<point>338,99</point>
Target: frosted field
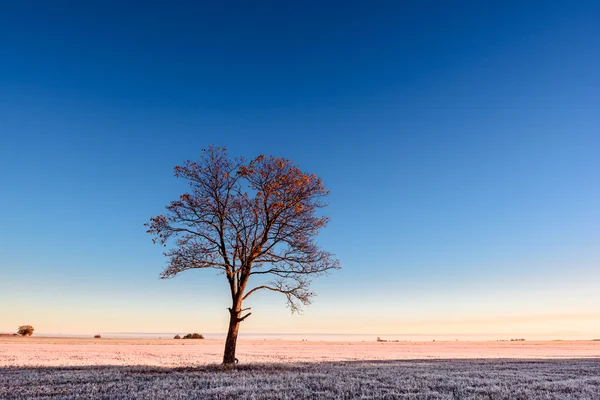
<point>40,368</point>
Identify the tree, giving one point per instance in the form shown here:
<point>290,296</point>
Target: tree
<point>250,220</point>
<point>193,336</point>
<point>25,330</point>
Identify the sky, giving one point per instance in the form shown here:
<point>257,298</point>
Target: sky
<point>459,141</point>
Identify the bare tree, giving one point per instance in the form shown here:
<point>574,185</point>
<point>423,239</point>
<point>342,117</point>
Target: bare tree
<point>246,219</point>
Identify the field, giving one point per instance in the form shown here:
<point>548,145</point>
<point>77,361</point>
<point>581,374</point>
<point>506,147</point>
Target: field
<point>50,368</point>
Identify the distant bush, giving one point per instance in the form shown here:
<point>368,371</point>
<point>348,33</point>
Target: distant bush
<point>97,337</point>
<point>193,336</point>
<point>25,330</point>
<point>177,337</point>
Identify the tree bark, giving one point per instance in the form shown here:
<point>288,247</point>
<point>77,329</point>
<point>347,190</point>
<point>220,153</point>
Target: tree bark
<point>232,334</point>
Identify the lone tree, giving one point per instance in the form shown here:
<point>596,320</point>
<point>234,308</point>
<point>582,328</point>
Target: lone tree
<point>246,219</point>
<point>25,330</point>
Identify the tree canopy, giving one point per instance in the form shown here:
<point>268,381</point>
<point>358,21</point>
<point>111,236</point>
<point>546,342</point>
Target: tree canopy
<point>25,330</point>
<point>247,218</point>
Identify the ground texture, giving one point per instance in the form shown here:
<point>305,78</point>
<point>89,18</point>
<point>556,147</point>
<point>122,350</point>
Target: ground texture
<point>416,379</point>
<point>147,370</point>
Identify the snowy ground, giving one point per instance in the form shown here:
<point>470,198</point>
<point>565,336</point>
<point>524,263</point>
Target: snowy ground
<point>37,368</point>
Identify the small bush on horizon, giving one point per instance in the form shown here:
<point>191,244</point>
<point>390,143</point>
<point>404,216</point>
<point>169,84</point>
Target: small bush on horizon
<point>25,330</point>
<point>177,337</point>
<point>97,337</point>
<point>193,336</point>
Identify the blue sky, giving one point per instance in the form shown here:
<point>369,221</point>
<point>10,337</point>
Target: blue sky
<point>459,141</point>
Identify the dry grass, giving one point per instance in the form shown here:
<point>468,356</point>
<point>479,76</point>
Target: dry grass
<point>175,353</point>
<point>37,368</point>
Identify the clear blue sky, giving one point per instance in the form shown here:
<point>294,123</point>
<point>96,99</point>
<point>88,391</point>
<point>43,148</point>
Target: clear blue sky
<point>460,142</point>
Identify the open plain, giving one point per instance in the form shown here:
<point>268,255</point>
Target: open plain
<point>66,368</point>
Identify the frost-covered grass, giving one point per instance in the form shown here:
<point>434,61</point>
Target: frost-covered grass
<point>402,379</point>
<point>40,368</point>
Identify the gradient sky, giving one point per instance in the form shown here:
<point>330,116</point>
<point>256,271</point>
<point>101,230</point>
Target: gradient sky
<point>460,142</point>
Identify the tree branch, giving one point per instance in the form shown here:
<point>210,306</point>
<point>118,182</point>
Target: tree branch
<point>256,289</point>
<point>244,317</point>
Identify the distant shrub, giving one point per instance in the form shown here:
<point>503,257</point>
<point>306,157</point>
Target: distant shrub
<point>25,330</point>
<point>97,337</point>
<point>177,337</point>
<point>193,336</point>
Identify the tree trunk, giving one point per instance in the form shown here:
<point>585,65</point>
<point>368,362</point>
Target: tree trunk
<point>232,334</point>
